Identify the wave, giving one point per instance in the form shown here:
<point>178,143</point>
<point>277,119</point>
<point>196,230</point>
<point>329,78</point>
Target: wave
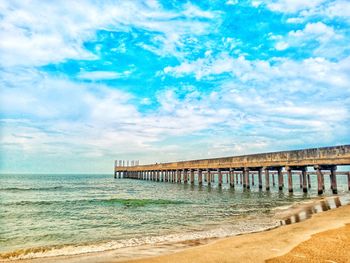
<point>170,239</point>
<point>111,201</point>
<point>31,188</point>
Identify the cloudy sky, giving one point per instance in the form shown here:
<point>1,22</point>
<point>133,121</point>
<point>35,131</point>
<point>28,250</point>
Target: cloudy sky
<point>86,82</point>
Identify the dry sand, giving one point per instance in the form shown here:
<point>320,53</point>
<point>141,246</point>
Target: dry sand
<point>323,238</point>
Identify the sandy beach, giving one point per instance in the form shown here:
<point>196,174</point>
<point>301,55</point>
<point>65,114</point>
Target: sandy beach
<point>325,237</point>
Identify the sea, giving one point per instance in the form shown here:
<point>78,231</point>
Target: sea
<point>45,215</point>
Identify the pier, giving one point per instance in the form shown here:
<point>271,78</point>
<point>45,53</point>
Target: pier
<point>263,169</point>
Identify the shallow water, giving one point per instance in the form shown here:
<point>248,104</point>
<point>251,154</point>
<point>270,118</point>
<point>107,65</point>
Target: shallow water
<point>71,214</point>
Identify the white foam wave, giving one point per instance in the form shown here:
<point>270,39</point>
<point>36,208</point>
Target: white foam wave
<point>218,232</point>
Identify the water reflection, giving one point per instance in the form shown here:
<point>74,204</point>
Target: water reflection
<point>307,212</point>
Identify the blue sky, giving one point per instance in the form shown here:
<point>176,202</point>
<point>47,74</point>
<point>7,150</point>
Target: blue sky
<point>86,82</point>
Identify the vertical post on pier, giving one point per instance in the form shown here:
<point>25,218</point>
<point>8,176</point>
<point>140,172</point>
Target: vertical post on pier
<point>253,174</point>
<point>308,180</point>
<point>241,177</point>
<point>303,172</point>
<point>200,177</point>
<point>267,179</point>
<point>236,177</point>
<point>280,178</point>
<point>185,176</point>
<point>232,178</point>
<point>178,174</point>
<point>246,171</point>
<point>319,180</point>
<point>301,179</point>
<point>290,179</point>
<point>273,179</point>
<point>192,176</point>
<point>244,180</point>
<point>115,174</point>
<point>334,180</point>
<point>219,178</point>
<point>260,178</point>
<point>227,177</point>
<point>208,177</point>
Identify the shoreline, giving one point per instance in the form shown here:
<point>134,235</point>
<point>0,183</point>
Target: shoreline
<point>273,245</point>
<point>166,251</point>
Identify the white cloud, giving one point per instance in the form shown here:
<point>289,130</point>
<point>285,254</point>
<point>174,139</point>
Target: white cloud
<point>37,33</point>
<point>293,6</point>
<point>330,43</point>
<point>103,75</point>
<point>281,45</point>
<point>338,9</point>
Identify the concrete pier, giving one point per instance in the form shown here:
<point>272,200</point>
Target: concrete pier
<point>300,162</point>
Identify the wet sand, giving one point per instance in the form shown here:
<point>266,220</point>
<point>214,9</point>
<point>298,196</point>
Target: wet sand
<point>322,238</point>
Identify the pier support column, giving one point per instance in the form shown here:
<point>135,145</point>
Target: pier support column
<point>236,177</point>
<point>303,173</point>
<point>246,171</point>
<point>208,177</point>
<point>319,180</point>
<point>280,178</point>
<point>232,178</point>
<point>185,176</point>
<point>200,177</point>
<point>260,178</point>
<point>244,180</point>
<point>115,174</point>
<point>334,180</point>
<point>301,180</point>
<point>267,179</point>
<point>241,178</point>
<point>273,179</point>
<point>178,173</point>
<point>290,179</point>
<point>349,181</point>
<point>219,178</point>
<point>308,180</point>
<point>253,174</point>
<point>192,176</point>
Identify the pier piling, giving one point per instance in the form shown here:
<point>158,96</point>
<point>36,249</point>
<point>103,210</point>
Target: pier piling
<point>260,178</point>
<point>290,179</point>
<point>200,182</point>
<point>267,179</point>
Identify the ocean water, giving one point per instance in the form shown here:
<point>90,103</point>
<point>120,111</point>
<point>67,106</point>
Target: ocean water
<point>47,215</point>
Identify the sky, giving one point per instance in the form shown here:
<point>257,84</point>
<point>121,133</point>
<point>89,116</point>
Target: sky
<point>84,83</point>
